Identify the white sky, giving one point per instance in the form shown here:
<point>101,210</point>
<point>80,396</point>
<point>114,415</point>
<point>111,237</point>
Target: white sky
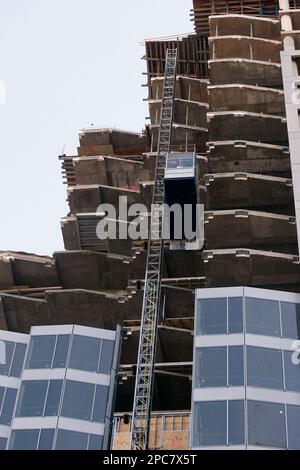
<point>66,64</point>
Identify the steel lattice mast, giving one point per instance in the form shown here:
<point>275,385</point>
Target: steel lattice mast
<point>151,302</point>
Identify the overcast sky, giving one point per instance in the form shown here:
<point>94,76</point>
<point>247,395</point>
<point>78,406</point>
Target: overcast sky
<point>66,64</point>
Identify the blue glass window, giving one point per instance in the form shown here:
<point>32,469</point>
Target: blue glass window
<point>71,440</point>
<point>290,318</point>
<point>262,317</point>
<point>235,315</point>
<point>236,365</point>
<point>8,406</point>
<point>78,400</point>
<point>107,351</point>
<point>95,442</point>
<point>292,373</point>
<point>266,424</point>
<point>18,360</point>
<point>236,417</point>
<point>24,439</point>
<point>293,424</point>
<point>53,398</point>
<point>3,442</point>
<point>264,367</point>
<point>40,353</point>
<point>101,398</point>
<point>85,353</point>
<point>9,349</point>
<point>211,367</point>
<point>61,351</point>
<point>212,316</point>
<point>32,398</point>
<point>210,423</point>
<point>46,439</point>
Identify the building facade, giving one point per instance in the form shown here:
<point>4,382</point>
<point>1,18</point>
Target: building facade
<point>246,380</point>
<point>236,108</point>
<point>57,388</point>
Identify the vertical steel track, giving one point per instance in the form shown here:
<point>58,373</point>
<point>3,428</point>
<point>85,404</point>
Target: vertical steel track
<point>151,302</point>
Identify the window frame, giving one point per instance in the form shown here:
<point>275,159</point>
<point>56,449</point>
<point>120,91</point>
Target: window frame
<point>262,350</point>
<point>227,423</point>
<point>229,324</point>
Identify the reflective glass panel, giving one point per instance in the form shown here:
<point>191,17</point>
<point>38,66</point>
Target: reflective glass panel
<point>236,365</point>
<point>95,442</point>
<point>3,442</point>
<point>264,367</point>
<point>266,424</point>
<point>235,315</point>
<point>210,423</point>
<point>61,351</point>
<point>40,353</point>
<point>107,351</point>
<point>32,398</point>
<point>8,406</point>
<point>293,424</point>
<point>212,316</point>
<point>292,373</point>
<point>290,318</point>
<point>101,397</point>
<point>9,350</point>
<point>71,440</point>
<point>85,353</point>
<point>24,439</point>
<point>46,439</point>
<point>18,360</point>
<point>211,367</point>
<point>53,398</point>
<point>78,400</point>
<point>262,317</point>
<point>236,425</point>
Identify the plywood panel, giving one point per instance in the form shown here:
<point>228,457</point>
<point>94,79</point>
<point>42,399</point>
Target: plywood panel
<point>122,441</point>
<point>175,440</point>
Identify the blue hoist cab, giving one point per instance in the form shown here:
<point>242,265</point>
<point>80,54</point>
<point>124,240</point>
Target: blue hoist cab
<point>182,187</point>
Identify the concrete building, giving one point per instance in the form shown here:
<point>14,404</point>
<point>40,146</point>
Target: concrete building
<point>236,106</point>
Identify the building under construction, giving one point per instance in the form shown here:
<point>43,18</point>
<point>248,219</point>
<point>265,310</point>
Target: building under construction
<point>226,373</point>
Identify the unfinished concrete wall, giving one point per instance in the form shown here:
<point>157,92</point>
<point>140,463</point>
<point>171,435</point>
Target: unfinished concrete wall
<point>290,61</point>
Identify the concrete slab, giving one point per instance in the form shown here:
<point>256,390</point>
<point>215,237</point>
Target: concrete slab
<point>248,190</point>
<point>87,198</point>
<point>244,25</point>
<point>21,269</point>
<point>184,136</point>
<point>229,125</point>
<point>242,47</point>
<point>245,228</point>
<point>248,156</point>
<point>106,141</point>
<point>97,271</point>
<point>190,113</point>
<point>186,88</point>
<point>232,267</point>
<point>245,71</point>
<point>232,97</point>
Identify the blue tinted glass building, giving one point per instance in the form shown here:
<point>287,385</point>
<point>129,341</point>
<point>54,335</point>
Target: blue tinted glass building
<point>12,354</point>
<point>57,388</point>
<point>246,372</point>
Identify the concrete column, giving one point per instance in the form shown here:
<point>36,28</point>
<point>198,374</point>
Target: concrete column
<point>284,5</point>
<point>288,43</point>
<point>286,23</point>
<point>3,323</point>
<point>291,81</point>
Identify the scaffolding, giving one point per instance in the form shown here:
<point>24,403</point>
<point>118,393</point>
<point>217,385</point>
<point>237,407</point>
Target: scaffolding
<point>151,303</point>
